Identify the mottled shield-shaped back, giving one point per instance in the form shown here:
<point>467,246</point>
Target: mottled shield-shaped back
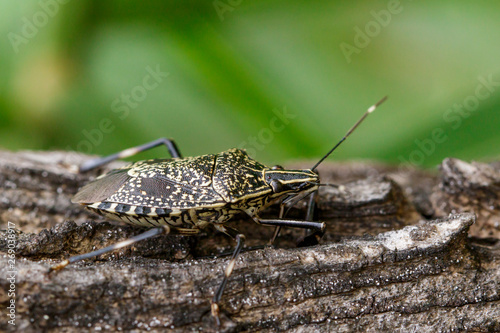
<point>238,176</point>
<point>162,183</point>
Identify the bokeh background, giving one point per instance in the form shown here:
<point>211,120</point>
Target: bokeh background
<point>284,79</point>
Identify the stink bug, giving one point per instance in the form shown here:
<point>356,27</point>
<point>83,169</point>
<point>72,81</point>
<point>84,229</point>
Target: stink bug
<point>184,195</point>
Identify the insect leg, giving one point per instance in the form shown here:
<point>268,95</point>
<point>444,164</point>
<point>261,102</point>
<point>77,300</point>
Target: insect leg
<point>315,237</point>
<point>311,205</point>
<point>145,235</point>
<point>97,162</point>
<point>240,239</point>
<point>278,228</point>
<point>317,226</point>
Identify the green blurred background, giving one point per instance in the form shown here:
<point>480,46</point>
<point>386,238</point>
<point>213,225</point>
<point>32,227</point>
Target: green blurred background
<point>284,79</point>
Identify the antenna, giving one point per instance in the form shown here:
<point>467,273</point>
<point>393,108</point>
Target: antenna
<point>370,110</point>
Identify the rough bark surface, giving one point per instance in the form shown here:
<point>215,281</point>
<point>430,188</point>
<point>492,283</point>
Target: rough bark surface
<point>393,259</point>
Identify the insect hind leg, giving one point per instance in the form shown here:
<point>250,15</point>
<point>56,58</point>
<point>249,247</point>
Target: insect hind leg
<point>97,162</point>
<point>145,235</point>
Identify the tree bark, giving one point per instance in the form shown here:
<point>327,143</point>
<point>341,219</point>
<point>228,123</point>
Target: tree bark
<point>393,258</point>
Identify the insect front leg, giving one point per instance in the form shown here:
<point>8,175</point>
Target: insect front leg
<point>318,226</point>
<point>311,206</point>
<point>278,228</point>
<point>240,239</point>
<point>97,162</point>
<point>145,235</point>
<point>313,239</point>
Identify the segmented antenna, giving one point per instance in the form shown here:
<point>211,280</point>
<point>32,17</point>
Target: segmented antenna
<point>370,110</point>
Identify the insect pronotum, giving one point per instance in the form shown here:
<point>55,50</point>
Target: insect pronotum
<point>184,195</point>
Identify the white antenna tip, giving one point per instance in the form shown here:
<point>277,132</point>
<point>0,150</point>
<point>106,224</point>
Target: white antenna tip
<point>374,106</point>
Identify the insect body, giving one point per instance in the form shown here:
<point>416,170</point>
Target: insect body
<point>185,195</point>
<point>192,192</point>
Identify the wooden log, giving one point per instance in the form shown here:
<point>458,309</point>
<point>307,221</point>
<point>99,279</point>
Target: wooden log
<point>387,262</point>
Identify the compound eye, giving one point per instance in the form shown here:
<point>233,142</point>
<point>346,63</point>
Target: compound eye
<point>277,167</point>
<point>276,185</point>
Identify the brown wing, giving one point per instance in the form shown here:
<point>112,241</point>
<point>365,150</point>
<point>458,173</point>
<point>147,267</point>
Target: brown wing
<point>102,188</point>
